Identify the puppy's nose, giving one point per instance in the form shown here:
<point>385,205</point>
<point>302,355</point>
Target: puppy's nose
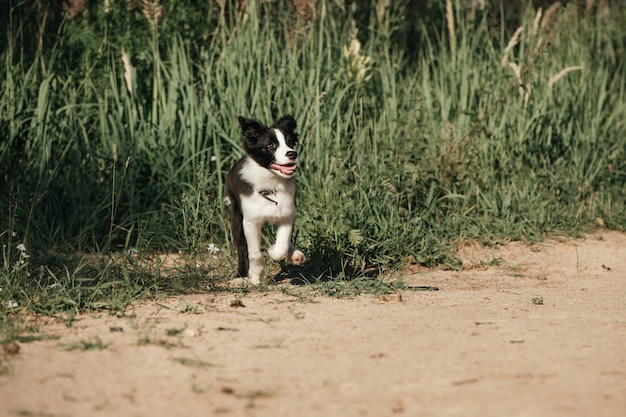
<point>292,155</point>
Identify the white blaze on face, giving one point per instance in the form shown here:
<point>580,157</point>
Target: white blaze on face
<point>283,165</point>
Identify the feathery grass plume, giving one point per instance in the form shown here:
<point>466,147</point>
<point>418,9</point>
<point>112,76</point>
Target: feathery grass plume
<point>153,11</point>
<point>524,89</point>
<point>381,11</point>
<point>562,73</point>
<point>518,74</point>
<point>450,21</point>
<point>550,16</point>
<point>473,6</point>
<point>73,8</point>
<point>358,65</point>
<point>128,71</point>
<point>514,41</point>
<point>536,22</point>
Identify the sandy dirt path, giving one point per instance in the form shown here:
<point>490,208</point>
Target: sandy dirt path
<point>541,331</point>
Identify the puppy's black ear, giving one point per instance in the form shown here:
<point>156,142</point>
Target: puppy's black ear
<point>251,129</point>
<point>286,124</point>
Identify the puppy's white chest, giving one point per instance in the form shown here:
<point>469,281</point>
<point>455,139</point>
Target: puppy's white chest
<point>269,206</point>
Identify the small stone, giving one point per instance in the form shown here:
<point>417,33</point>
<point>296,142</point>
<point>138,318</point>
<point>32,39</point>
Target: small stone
<point>398,407</point>
<point>391,297</point>
<point>238,283</point>
<point>191,332</point>
<point>237,303</point>
<point>11,348</point>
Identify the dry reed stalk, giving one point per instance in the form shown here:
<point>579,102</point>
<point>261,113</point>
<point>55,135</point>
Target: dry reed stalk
<point>515,39</point>
<point>381,11</point>
<point>524,89</point>
<point>242,14</point>
<point>562,74</point>
<point>475,5</point>
<point>128,71</point>
<point>221,20</point>
<point>517,70</point>
<point>302,13</point>
<point>450,21</point>
<point>303,10</point>
<point>536,22</point>
<point>550,16</point>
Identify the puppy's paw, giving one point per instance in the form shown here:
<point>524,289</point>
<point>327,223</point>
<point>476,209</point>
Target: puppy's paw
<point>297,257</point>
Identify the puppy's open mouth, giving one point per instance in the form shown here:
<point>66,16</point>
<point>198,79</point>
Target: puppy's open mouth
<point>287,169</point>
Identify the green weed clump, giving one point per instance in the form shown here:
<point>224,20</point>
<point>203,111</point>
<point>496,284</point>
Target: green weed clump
<point>118,127</point>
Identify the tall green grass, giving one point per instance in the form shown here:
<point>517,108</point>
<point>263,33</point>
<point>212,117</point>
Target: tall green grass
<point>112,141</point>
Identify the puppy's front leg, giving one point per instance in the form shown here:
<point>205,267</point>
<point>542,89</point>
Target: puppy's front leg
<point>283,247</point>
<point>252,231</point>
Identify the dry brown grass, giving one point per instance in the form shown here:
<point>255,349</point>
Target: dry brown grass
<point>450,22</point>
<point>556,77</point>
<point>550,16</point>
<point>515,39</point>
<point>128,71</point>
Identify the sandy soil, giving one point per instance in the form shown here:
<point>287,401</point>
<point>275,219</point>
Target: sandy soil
<point>522,331</point>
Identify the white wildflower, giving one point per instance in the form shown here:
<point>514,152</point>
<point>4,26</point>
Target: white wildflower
<point>22,248</point>
<point>213,250</point>
<point>11,304</point>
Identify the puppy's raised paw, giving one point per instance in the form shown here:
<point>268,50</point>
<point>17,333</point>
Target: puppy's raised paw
<point>297,257</point>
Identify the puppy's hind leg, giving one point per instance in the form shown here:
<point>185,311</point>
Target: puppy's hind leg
<point>240,241</point>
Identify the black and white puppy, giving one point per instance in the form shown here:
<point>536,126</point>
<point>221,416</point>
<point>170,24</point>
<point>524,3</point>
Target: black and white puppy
<point>261,188</point>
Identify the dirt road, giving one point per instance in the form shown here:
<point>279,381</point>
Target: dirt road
<point>522,331</point>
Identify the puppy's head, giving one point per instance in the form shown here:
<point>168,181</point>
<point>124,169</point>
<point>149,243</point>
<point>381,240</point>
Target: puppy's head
<point>271,147</point>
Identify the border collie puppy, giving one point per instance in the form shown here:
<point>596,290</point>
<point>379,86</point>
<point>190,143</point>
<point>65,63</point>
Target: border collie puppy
<point>261,188</point>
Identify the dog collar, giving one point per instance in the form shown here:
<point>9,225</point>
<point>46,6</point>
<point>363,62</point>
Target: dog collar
<point>266,193</point>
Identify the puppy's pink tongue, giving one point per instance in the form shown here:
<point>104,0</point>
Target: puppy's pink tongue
<point>284,169</point>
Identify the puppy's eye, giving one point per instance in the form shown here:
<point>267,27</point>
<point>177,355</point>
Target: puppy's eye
<point>271,147</point>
